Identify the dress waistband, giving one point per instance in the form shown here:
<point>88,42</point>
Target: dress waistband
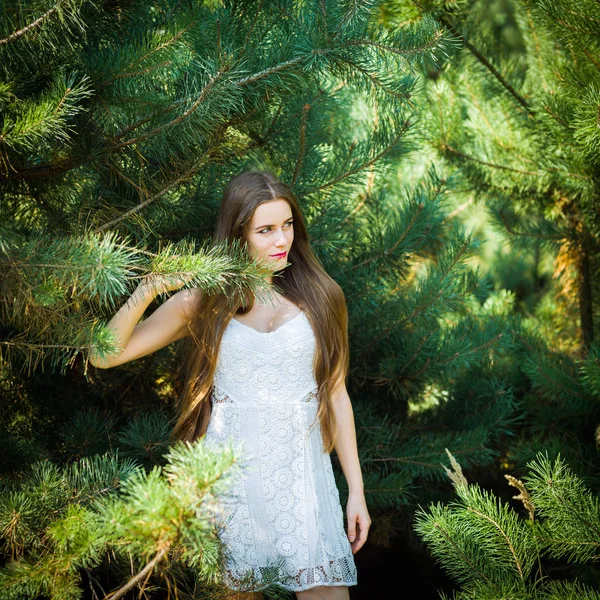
<point>219,396</point>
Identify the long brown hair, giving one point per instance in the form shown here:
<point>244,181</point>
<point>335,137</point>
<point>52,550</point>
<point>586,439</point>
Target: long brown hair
<point>304,282</point>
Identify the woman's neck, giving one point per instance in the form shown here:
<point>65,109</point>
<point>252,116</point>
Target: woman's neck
<point>268,296</point>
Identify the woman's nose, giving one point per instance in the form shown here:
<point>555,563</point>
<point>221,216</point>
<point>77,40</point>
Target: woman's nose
<point>281,239</point>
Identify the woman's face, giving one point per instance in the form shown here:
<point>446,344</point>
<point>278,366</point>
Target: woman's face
<point>270,232</point>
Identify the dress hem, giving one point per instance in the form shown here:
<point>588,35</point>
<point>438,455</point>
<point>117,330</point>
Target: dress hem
<point>297,589</point>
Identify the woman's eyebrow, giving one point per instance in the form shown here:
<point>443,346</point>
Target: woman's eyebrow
<point>272,225</point>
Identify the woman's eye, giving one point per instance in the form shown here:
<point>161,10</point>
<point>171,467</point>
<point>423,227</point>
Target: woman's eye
<point>267,229</point>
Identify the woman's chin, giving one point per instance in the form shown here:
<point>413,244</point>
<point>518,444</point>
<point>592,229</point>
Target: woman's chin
<point>280,264</point>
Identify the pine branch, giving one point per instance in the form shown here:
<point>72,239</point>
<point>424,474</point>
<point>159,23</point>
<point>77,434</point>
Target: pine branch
<point>504,535</point>
<point>257,13</point>
<point>166,44</point>
<point>415,460</point>
<point>472,349</point>
<point>173,508</point>
<point>568,507</point>
<point>375,80</point>
<point>275,69</point>
<point>446,147</point>
<point>47,171</point>
<point>462,555</point>
<point>35,124</point>
<point>410,225</point>
<point>17,34</point>
<point>49,313</point>
<point>434,42</point>
<point>560,590</point>
<point>508,226</point>
<point>205,90</point>
<point>489,66</point>
<point>302,148</point>
<point>150,199</point>
<point>361,167</point>
<point>145,572</point>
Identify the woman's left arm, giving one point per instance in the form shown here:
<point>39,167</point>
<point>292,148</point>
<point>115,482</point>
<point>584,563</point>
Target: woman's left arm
<point>347,452</point>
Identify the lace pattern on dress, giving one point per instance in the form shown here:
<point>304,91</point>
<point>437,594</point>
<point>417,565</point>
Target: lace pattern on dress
<point>311,396</point>
<point>220,396</point>
<point>341,571</point>
<point>282,519</point>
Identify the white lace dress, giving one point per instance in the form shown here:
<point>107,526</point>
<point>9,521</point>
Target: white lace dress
<point>283,514</point>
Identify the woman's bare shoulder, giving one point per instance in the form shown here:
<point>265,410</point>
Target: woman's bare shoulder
<point>188,300</point>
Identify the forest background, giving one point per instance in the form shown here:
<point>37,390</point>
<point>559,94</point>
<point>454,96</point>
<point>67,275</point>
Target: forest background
<point>445,155</point>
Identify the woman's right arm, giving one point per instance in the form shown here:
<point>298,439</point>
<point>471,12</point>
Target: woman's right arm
<point>168,323</point>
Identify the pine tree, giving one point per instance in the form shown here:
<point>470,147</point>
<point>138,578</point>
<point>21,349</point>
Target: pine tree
<point>61,522</point>
<point>512,112</point>
<point>516,110</point>
<point>121,125</point>
<point>495,550</point>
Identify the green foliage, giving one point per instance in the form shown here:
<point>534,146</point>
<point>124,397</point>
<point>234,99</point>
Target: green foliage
<point>569,511</point>
<point>100,505</point>
<point>30,125</point>
<point>53,286</point>
<point>569,590</point>
<point>46,491</point>
<point>493,551</point>
<point>27,28</point>
<point>513,116</point>
<point>116,146</point>
<point>590,372</point>
<point>87,433</point>
<point>145,438</point>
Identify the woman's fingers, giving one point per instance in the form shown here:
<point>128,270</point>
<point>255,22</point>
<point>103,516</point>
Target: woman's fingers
<point>352,529</point>
<point>359,521</point>
<point>161,284</point>
<point>361,538</point>
<point>358,532</point>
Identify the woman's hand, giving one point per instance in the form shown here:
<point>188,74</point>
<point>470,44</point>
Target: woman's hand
<point>160,284</point>
<point>358,520</point>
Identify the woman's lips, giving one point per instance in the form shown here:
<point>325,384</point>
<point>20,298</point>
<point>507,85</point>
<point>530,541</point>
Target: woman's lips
<point>280,255</point>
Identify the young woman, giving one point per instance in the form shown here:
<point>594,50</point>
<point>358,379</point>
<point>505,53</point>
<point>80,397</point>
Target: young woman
<point>271,375</point>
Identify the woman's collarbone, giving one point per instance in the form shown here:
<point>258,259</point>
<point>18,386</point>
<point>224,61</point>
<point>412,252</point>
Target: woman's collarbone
<point>266,319</point>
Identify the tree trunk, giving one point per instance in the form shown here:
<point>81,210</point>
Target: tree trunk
<point>585,296</point>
